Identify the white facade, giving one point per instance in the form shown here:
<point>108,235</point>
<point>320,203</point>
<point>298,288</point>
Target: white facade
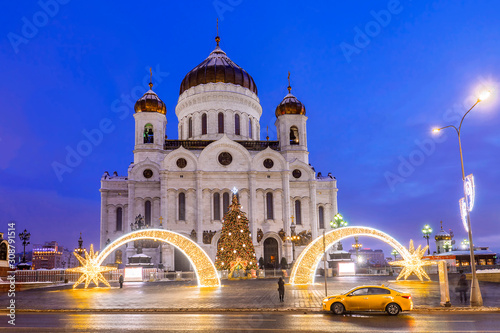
<point>189,180</point>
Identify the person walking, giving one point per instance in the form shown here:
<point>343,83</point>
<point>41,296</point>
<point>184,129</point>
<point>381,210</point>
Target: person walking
<point>281,289</point>
<point>120,280</point>
<point>462,287</point>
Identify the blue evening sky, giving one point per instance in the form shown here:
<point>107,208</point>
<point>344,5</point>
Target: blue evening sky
<point>372,92</point>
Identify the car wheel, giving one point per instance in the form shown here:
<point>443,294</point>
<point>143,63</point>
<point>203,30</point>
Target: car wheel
<point>392,309</point>
<point>337,308</point>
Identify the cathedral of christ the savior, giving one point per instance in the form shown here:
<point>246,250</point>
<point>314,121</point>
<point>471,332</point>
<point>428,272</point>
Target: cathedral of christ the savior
<point>186,185</point>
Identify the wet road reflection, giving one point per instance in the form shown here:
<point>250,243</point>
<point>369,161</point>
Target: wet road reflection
<point>259,322</point>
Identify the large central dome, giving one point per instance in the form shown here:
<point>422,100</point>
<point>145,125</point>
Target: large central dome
<point>218,68</point>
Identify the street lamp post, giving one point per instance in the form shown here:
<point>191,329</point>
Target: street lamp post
<point>394,253</point>
<point>475,294</point>
<point>338,222</point>
<point>427,231</point>
<point>357,245</point>
<point>293,238</point>
<point>25,237</point>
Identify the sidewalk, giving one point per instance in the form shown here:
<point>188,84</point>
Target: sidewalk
<point>233,295</point>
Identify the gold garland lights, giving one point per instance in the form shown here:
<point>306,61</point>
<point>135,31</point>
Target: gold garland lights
<point>414,264</point>
<point>303,270</point>
<point>203,266</point>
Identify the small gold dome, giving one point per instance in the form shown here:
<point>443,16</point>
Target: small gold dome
<point>290,105</point>
<point>150,102</point>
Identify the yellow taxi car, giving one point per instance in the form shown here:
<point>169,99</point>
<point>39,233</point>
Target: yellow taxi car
<point>369,298</point>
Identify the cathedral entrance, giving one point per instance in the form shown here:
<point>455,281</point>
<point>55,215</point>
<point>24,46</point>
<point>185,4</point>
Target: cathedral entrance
<point>181,262</point>
<point>271,253</point>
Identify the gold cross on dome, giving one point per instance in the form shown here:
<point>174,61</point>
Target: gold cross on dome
<point>150,77</point>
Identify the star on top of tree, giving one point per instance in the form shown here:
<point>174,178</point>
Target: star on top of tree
<point>414,264</point>
<point>91,269</point>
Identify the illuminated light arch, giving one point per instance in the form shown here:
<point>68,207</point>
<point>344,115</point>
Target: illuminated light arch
<point>203,266</point>
<point>304,268</point>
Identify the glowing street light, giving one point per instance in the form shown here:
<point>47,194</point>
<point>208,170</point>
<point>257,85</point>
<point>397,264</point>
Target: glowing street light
<point>475,294</point>
<point>427,232</point>
<point>395,253</point>
<point>465,244</point>
<point>338,222</point>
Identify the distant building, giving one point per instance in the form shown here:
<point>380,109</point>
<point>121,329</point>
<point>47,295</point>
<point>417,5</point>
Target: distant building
<point>47,256</point>
<point>444,240</point>
<point>460,260</point>
<point>369,257</point>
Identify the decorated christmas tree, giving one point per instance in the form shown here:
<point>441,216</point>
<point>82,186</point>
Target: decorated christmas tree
<point>235,249</point>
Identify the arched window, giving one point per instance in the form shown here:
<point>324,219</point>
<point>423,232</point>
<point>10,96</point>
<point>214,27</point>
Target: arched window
<point>216,206</point>
<point>294,135</point>
<point>269,206</point>
<point>118,256</point>
<point>190,128</point>
<point>321,217</point>
<point>147,212</point>
<point>182,206</point>
<point>204,123</point>
<point>119,219</point>
<point>3,251</point>
<point>237,124</point>
<point>225,203</point>
<point>181,134</point>
<point>148,134</point>
<point>220,117</point>
<point>298,213</point>
<point>250,128</point>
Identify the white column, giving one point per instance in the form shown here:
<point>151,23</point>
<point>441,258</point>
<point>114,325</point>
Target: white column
<point>252,202</point>
<point>104,218</point>
<point>285,177</point>
<point>131,218</point>
<point>164,199</point>
<point>313,216</point>
<point>199,207</point>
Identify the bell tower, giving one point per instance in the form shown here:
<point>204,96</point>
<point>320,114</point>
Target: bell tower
<point>150,122</point>
<point>291,127</point>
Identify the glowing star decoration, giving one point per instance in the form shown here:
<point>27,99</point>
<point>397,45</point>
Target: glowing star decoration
<point>234,190</point>
<point>414,263</point>
<point>91,269</point>
<point>304,269</point>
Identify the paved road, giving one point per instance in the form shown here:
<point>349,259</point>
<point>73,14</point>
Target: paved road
<point>244,294</point>
<point>436,322</point>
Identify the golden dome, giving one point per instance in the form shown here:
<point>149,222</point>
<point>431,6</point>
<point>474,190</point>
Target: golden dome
<point>218,68</point>
<point>150,102</point>
<point>290,105</point>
